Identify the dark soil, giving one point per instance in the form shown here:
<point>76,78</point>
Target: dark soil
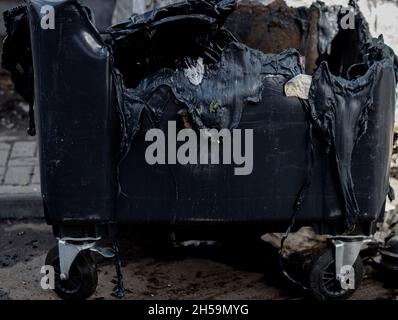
<point>153,269</point>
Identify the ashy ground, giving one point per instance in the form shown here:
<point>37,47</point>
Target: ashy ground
<point>155,270</point>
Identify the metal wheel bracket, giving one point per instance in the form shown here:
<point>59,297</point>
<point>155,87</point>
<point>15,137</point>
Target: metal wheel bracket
<point>347,249</point>
<point>68,252</point>
<point>67,255</point>
<point>106,252</point>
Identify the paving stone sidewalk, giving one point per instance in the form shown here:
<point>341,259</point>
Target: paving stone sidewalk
<point>19,178</point>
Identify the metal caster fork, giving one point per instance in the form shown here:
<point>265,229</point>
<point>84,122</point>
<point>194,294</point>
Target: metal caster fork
<point>338,271</point>
<point>75,270</point>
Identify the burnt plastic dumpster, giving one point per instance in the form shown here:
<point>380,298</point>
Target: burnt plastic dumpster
<point>321,147</point>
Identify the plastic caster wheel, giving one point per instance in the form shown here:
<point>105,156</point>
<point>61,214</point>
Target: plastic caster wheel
<point>83,278</point>
<point>322,277</point>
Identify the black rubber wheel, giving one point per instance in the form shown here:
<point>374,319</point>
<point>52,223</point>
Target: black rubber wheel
<point>322,277</point>
<point>83,278</point>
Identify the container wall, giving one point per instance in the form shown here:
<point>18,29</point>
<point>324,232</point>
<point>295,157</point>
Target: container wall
<point>74,115</point>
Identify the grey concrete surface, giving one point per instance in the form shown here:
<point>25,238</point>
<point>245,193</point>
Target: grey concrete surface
<point>19,178</point>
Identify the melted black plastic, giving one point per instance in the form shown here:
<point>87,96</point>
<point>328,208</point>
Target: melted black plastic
<point>227,77</point>
<point>163,38</point>
<point>218,88</point>
<point>341,108</point>
<point>17,57</point>
<point>338,107</point>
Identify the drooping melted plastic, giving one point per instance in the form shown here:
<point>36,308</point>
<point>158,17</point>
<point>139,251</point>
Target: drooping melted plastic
<point>338,107</point>
<point>163,38</point>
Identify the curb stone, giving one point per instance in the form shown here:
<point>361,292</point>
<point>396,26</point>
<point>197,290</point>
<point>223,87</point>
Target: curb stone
<point>20,195</point>
<point>20,206</point>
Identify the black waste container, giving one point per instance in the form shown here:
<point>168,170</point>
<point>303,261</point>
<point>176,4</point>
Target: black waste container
<point>321,160</point>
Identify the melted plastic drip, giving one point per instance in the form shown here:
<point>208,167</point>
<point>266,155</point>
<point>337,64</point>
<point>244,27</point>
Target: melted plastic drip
<point>342,120</point>
<point>17,57</point>
<point>32,126</point>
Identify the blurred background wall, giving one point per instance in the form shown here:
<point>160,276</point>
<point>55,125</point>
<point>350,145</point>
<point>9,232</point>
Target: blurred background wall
<point>382,15</point>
